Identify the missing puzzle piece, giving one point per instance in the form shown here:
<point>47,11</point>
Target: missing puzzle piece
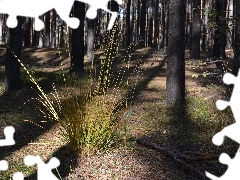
<point>232,172</point>
<point>3,165</point>
<point>44,170</point>
<point>8,141</point>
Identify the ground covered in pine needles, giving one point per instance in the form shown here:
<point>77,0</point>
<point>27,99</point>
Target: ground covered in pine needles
<point>159,143</point>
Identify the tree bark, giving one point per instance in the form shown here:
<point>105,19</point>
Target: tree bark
<point>196,30</point>
<point>143,22</point>
<point>150,32</point>
<point>12,67</point>
<point>236,43</point>
<point>156,22</point>
<point>90,38</point>
<point>129,23</point>
<point>47,30</point>
<point>77,58</point>
<point>175,92</point>
<point>220,32</point>
<point>28,32</point>
<point>53,29</point>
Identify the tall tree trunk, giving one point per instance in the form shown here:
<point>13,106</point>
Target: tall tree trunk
<point>129,23</point>
<point>220,32</point>
<point>61,36</point>
<point>28,32</point>
<point>204,27</point>
<point>156,21</point>
<point>166,24</point>
<point>53,29</point>
<point>175,93</point>
<point>138,18</point>
<point>196,30</point>
<point>236,41</point>
<point>1,28</point>
<point>150,32</point>
<point>35,40</point>
<point>46,31</point>
<point>12,67</point>
<point>90,38</point>
<point>77,58</point>
<point>143,23</point>
<point>97,39</point>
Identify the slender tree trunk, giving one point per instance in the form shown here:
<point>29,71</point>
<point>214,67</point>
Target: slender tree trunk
<point>156,21</point>
<point>138,18</point>
<point>12,67</point>
<point>166,24</point>
<point>77,59</point>
<point>133,23</point>
<point>53,29</point>
<point>143,23</point>
<point>61,35</point>
<point>1,28</point>
<point>46,31</point>
<point>196,30</point>
<point>236,42</point>
<point>175,93</point>
<point>220,34</point>
<point>150,32</point>
<point>129,23</point>
<point>41,39</point>
<point>204,28</point>
<point>28,32</point>
<point>90,38</point>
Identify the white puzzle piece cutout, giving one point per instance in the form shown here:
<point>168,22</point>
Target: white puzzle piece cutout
<point>3,165</point>
<point>36,8</point>
<point>18,176</point>
<point>44,171</point>
<point>233,172</point>
<point>231,131</point>
<point>8,141</point>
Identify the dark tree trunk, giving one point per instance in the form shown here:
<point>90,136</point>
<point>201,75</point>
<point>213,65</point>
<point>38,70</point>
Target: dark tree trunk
<point>220,32</point>
<point>138,19</point>
<point>166,24</point>
<point>47,30</point>
<point>90,38</point>
<point>61,36</point>
<point>1,28</point>
<point>204,27</point>
<point>53,29</point>
<point>196,30</point>
<point>77,59</point>
<point>156,21</point>
<point>143,22</point>
<point>40,39</point>
<point>12,67</point>
<point>35,38</point>
<point>129,23</point>
<point>98,35</point>
<point>175,93</point>
<point>150,32</point>
<point>28,32</point>
<point>236,42</point>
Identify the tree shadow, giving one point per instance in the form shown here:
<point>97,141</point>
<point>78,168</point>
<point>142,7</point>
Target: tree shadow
<point>68,161</point>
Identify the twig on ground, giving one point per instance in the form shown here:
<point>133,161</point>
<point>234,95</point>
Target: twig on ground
<point>176,157</point>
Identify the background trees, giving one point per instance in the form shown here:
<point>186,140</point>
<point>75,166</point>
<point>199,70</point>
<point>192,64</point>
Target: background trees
<point>13,52</point>
<point>145,24</point>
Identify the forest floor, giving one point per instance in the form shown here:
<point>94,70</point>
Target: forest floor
<point>186,149</point>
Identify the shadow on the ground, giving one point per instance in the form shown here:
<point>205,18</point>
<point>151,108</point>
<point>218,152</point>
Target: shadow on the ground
<point>68,161</point>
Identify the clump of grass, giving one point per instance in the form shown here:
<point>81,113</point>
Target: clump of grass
<point>88,118</point>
